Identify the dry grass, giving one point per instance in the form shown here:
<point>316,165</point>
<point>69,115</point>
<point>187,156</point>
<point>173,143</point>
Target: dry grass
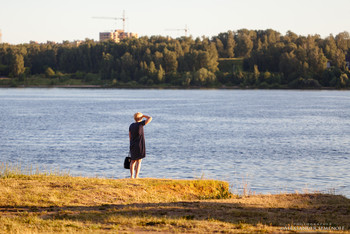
<point>40,203</point>
<point>45,191</point>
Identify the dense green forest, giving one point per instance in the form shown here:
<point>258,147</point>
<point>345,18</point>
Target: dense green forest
<point>244,58</point>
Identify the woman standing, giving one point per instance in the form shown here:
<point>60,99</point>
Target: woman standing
<point>137,142</point>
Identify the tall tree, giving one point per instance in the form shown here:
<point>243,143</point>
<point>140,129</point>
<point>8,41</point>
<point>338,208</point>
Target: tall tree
<point>244,45</point>
<point>230,45</point>
<point>256,72</point>
<point>220,48</point>
<point>152,70</point>
<point>17,66</point>
<point>170,61</point>
<point>107,66</point>
<point>160,75</point>
<point>343,41</point>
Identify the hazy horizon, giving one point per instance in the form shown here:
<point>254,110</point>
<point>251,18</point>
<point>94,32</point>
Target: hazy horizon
<point>38,20</point>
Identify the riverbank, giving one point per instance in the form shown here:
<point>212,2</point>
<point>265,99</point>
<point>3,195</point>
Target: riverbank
<point>42,82</point>
<point>86,86</point>
<point>43,203</point>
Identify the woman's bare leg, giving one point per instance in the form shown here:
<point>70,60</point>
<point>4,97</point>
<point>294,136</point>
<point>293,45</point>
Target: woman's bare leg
<point>138,167</point>
<point>132,165</point>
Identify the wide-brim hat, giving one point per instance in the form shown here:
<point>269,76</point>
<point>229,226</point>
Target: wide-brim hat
<point>138,115</point>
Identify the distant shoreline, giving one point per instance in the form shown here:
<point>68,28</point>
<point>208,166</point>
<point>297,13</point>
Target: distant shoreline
<point>223,87</point>
<point>47,83</point>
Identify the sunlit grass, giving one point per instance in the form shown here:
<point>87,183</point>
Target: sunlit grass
<point>17,170</point>
<point>32,201</point>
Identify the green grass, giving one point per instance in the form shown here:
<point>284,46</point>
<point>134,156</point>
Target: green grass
<point>229,64</point>
<point>5,81</point>
<point>52,202</point>
<point>40,81</point>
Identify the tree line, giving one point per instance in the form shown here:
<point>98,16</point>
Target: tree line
<point>253,58</point>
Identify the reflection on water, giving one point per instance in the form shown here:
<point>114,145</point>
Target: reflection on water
<point>273,140</point>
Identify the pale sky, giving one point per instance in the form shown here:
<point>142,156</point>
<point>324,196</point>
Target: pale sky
<point>41,20</point>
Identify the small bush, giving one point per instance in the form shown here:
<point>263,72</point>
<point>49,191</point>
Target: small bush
<point>302,83</point>
<point>263,85</point>
<point>49,72</point>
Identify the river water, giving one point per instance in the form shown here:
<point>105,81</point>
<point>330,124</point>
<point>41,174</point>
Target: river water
<point>266,141</point>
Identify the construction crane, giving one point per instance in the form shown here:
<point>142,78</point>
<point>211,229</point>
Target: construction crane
<point>179,29</point>
<point>114,18</point>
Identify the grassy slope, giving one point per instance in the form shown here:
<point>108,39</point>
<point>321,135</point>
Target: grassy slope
<point>227,64</point>
<point>50,203</point>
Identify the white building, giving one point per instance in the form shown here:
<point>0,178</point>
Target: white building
<point>117,35</point>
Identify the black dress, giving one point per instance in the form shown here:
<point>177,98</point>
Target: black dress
<point>137,140</point>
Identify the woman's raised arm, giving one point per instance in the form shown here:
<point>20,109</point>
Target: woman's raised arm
<point>148,119</point>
